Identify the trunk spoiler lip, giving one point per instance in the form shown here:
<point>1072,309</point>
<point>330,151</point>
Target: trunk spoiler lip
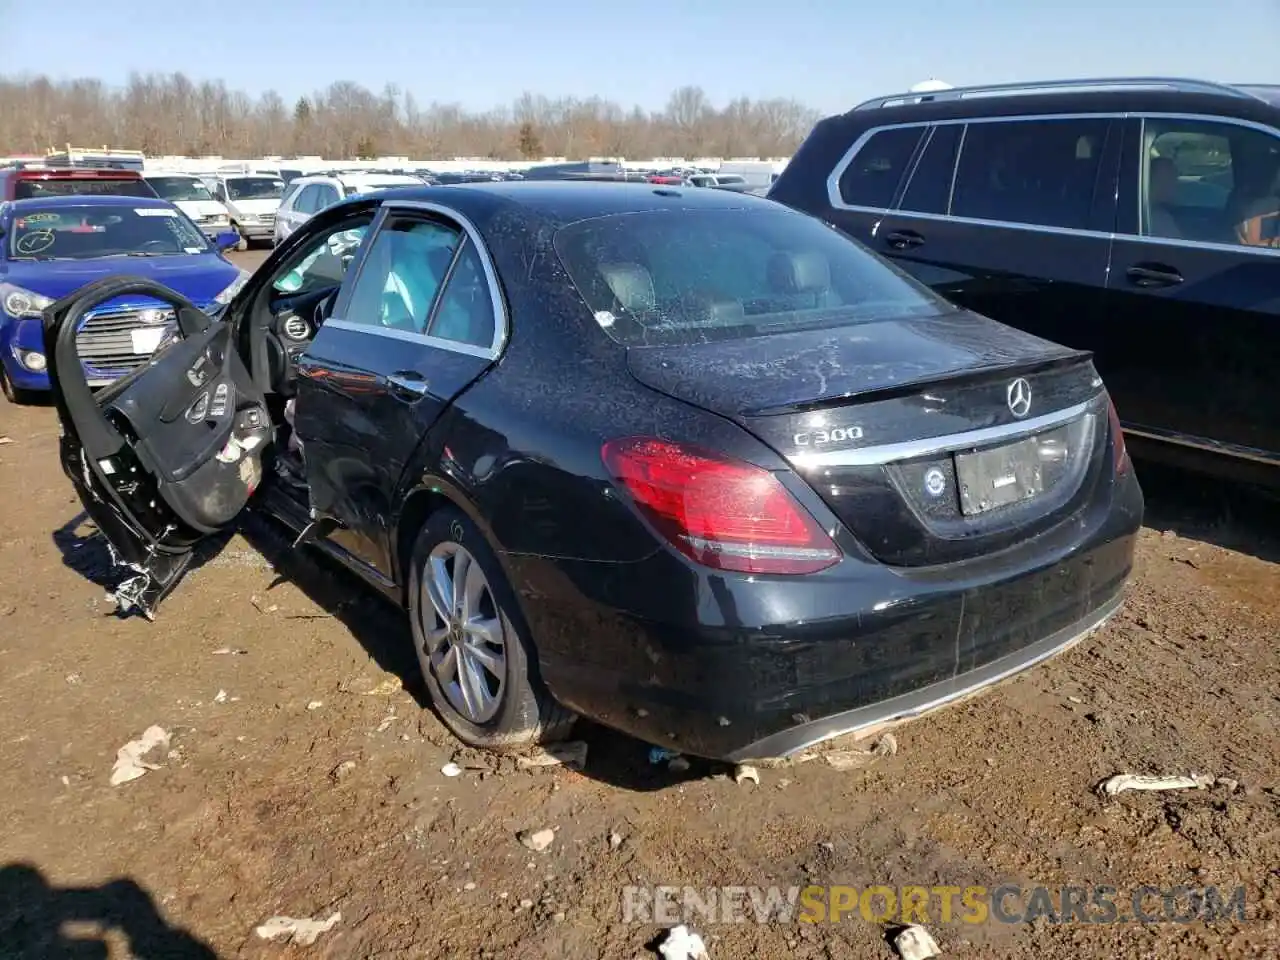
<point>1049,362</point>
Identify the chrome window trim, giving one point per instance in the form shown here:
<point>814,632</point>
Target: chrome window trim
<point>837,203</point>
<point>501,315</point>
<point>911,449</point>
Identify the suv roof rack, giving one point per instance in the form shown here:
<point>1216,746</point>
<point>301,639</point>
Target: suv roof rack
<point>1180,85</point>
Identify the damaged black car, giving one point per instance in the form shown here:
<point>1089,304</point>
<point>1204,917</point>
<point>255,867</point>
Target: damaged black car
<point>688,463</point>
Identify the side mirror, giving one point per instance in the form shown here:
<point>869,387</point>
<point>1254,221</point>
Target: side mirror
<point>226,239</point>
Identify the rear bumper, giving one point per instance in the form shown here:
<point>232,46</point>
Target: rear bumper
<point>738,668</point>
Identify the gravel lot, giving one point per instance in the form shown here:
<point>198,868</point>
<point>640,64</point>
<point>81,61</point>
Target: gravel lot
<point>305,775</point>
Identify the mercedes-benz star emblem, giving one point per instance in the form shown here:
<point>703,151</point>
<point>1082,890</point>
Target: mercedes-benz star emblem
<point>1018,395</point>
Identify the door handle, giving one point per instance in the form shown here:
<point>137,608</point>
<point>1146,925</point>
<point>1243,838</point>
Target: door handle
<point>408,381</point>
<point>903,239</point>
<point>1153,275</point>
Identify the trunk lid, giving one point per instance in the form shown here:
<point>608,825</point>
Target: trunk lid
<point>881,419</point>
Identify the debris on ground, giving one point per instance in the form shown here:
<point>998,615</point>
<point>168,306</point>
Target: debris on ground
<point>301,931</point>
<point>659,755</point>
<point>451,769</point>
<point>572,754</point>
<point>886,745</point>
<point>386,688</point>
<point>229,652</point>
<point>315,704</point>
<point>916,943</point>
<point>615,840</point>
<point>137,757</point>
<point>342,770</point>
<point>681,943</point>
<point>4,440</point>
<point>848,759</point>
<point>220,697</point>
<point>744,771</point>
<point>387,721</point>
<point>678,764</point>
<point>537,840</point>
<point>1133,781</point>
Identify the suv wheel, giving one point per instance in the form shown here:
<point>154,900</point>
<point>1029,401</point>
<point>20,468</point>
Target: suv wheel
<point>472,644</point>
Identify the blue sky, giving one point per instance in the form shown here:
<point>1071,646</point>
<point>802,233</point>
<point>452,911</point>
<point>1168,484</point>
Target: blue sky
<point>481,53</point>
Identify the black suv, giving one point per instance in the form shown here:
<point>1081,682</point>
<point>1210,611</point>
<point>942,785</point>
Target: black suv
<point>1136,218</point>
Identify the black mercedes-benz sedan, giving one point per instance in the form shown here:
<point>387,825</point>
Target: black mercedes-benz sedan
<point>685,462</point>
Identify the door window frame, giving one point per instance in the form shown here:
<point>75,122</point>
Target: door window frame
<point>454,220</point>
<point>1107,168</point>
<point>1132,186</point>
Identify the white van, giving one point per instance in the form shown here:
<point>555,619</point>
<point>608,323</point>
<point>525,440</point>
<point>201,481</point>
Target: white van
<point>251,200</point>
<point>189,194</point>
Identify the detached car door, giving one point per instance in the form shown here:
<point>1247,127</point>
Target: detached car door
<point>166,456</point>
<point>422,318</point>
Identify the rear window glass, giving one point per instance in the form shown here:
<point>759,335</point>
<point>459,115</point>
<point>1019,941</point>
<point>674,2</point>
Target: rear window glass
<point>682,276</point>
<point>26,189</point>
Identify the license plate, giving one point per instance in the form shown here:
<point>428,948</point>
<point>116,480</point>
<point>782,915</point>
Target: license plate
<point>146,340</point>
<point>996,478</point>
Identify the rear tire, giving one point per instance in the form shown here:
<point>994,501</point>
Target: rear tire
<point>479,664</point>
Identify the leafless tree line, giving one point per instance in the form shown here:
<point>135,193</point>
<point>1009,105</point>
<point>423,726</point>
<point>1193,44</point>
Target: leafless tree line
<point>170,114</point>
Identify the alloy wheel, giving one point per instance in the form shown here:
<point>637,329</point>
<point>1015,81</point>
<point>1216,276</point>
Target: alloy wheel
<point>464,642</point>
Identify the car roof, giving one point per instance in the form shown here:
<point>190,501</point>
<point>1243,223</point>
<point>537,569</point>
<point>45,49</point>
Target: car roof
<point>561,202</point>
<point>88,200</point>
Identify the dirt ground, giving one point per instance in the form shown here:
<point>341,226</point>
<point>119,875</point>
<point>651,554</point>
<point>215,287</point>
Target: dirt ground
<point>305,775</point>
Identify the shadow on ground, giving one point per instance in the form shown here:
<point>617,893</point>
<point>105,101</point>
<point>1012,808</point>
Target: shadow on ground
<point>1229,515</point>
<point>38,920</point>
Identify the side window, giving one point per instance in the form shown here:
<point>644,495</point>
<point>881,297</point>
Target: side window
<point>402,273</point>
<point>465,312</point>
<point>1040,172</point>
<point>873,175</point>
<point>930,188</point>
<point>306,202</point>
<point>287,198</point>
<point>324,260</point>
<point>326,197</point>
<point>1210,182</point>
<point>220,192</point>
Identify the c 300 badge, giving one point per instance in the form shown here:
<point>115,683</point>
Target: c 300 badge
<point>818,438</point>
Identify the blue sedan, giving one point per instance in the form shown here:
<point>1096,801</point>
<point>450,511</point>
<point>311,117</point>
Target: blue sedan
<point>51,246</point>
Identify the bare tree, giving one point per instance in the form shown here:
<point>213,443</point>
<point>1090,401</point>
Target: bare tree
<point>171,114</point>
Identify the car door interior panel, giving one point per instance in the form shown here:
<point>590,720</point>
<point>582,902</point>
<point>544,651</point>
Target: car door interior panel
<point>199,427</point>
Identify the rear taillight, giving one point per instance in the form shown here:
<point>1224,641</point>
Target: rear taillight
<point>721,512</point>
<point>1120,455</point>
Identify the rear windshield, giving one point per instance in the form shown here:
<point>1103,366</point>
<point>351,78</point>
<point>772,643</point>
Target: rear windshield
<point>682,276</point>
<point>255,188</point>
<point>89,232</point>
<point>180,188</point>
<point>26,189</point>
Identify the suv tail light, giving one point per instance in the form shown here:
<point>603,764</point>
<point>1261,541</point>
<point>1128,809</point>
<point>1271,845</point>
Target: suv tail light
<point>721,512</point>
<point>1119,452</point>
